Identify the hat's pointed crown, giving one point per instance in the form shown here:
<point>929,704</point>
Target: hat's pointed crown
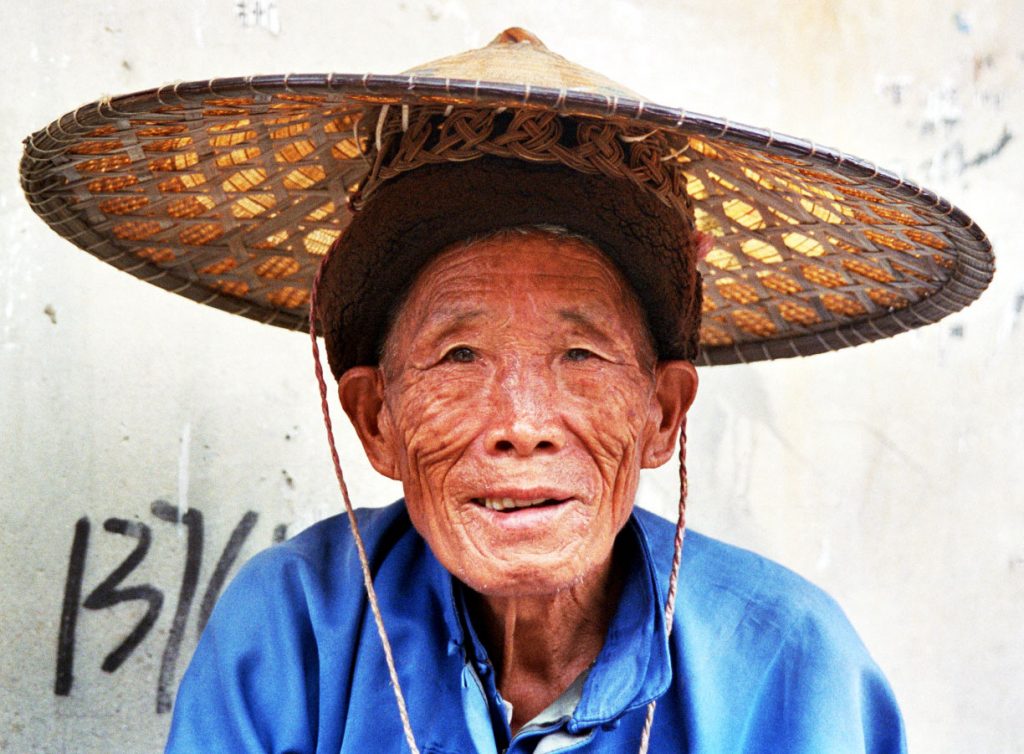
<point>518,57</point>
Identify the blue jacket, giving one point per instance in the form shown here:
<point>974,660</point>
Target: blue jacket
<point>759,661</point>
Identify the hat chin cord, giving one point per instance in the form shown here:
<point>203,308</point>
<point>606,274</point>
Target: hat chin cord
<point>364,562</point>
<point>673,579</point>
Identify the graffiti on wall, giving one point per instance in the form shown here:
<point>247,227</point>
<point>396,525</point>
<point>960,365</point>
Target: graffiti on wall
<point>110,590</point>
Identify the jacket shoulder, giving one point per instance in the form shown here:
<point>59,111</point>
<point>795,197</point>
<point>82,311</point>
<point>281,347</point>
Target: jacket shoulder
<point>719,573</point>
<point>329,543</point>
<point>772,657</point>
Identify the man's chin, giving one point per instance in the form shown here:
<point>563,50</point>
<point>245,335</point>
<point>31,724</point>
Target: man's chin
<point>518,575</point>
<point>527,551</point>
<point>536,585</point>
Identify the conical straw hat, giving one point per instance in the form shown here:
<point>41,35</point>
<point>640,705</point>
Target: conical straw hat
<point>231,191</point>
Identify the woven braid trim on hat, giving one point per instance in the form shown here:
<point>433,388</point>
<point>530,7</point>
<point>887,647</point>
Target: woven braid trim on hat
<point>407,138</point>
<point>230,191</point>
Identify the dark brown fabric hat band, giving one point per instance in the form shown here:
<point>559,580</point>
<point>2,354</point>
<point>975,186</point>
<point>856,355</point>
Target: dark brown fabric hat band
<point>411,218</point>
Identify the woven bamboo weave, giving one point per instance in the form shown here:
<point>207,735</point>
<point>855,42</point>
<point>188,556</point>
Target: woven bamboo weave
<point>230,191</point>
<point>435,135</point>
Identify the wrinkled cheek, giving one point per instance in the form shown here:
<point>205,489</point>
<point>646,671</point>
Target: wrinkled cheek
<point>423,477</point>
<point>620,474</point>
<point>611,429</point>
<point>436,420</point>
<point>432,442</point>
<point>611,423</point>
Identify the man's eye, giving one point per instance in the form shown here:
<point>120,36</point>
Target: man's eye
<point>578,354</point>
<point>461,355</point>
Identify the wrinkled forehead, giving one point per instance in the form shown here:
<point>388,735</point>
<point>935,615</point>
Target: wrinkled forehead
<point>565,263</point>
<point>515,273</point>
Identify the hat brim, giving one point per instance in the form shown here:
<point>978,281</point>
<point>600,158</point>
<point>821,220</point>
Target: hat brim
<point>230,191</point>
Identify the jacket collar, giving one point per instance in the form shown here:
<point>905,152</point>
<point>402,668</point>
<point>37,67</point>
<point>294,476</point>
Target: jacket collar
<point>634,665</point>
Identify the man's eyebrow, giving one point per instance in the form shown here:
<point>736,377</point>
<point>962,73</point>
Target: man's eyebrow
<point>443,322</point>
<point>585,323</point>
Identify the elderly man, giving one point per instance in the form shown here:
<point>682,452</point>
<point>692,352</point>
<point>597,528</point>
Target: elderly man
<point>518,396</point>
<point>512,309</point>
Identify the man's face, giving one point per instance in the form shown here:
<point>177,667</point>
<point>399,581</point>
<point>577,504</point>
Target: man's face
<point>517,402</point>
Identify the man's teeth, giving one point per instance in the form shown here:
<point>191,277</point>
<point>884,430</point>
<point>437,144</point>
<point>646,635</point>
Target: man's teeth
<point>504,503</point>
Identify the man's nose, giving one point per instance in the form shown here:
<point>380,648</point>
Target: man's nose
<point>525,415</point>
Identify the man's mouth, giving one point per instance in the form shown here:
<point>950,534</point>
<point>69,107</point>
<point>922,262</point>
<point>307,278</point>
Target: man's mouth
<point>509,503</point>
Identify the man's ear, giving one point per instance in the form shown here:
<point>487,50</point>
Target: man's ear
<point>361,392</point>
<point>674,390</point>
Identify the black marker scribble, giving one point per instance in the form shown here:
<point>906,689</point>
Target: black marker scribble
<point>107,593</point>
<point>64,676</point>
<point>224,563</point>
<point>193,521</point>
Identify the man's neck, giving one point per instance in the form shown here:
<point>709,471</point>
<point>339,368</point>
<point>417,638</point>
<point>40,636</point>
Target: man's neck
<point>539,644</point>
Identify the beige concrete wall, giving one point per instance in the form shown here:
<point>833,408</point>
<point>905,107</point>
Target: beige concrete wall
<point>890,474</point>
